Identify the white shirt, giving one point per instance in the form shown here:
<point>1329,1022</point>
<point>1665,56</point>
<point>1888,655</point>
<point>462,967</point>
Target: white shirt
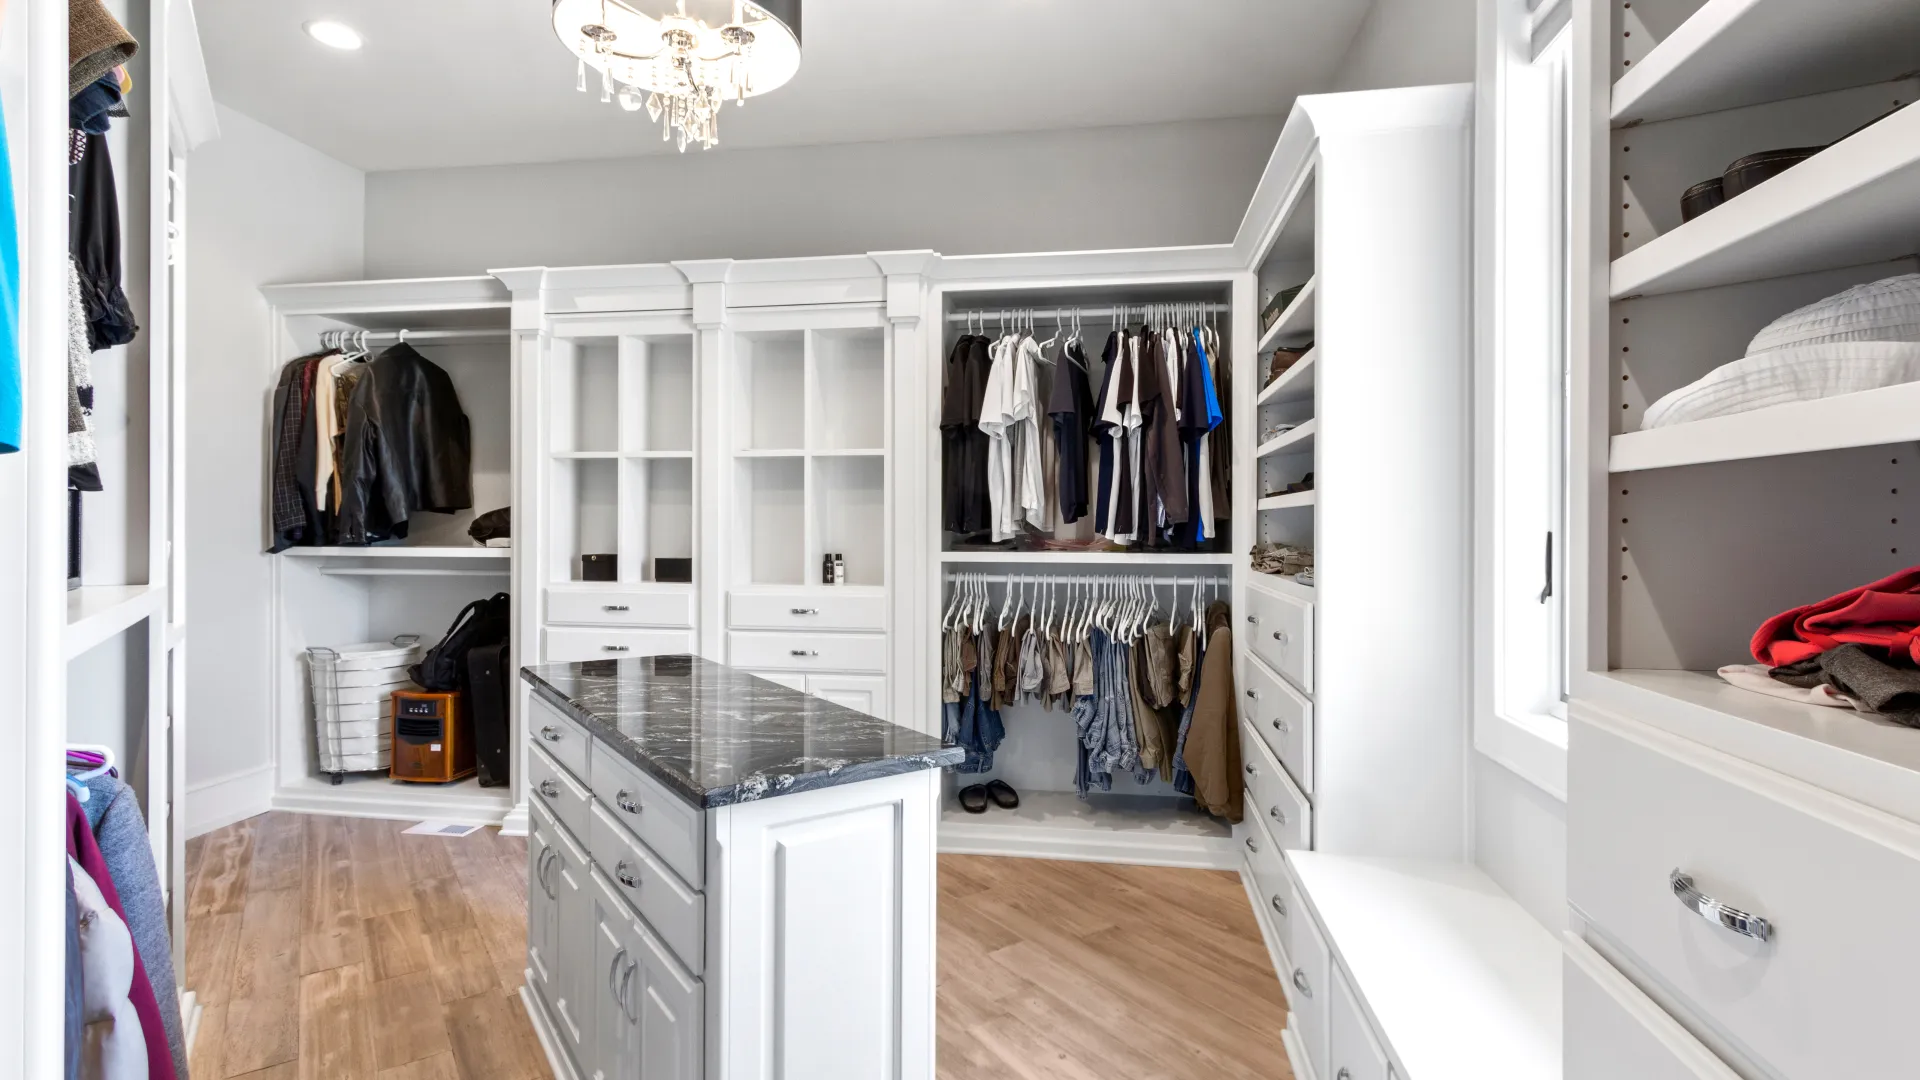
<point>1030,450</point>
<point>996,420</point>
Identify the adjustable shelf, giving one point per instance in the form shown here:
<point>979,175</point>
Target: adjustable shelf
<point>357,553</point>
<point>1294,384</point>
<point>1868,418</point>
<point>98,613</point>
<point>1295,501</point>
<point>1856,202</point>
<point>1732,53</point>
<point>1297,441</point>
<point>1296,322</point>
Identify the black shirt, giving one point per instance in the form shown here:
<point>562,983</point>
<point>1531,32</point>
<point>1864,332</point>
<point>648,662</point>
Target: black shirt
<point>1071,405</point>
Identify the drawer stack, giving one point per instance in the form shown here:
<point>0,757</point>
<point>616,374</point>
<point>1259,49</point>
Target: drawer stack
<point>616,919</point>
<point>829,642</point>
<point>1276,746</point>
<point>590,622</point>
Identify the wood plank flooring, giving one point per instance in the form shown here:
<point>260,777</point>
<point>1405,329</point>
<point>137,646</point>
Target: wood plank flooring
<point>338,948</point>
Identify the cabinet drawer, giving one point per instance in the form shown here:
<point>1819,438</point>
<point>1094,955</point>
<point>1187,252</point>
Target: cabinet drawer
<point>1612,1030</point>
<point>561,736</point>
<point>1283,810</point>
<point>568,646</point>
<point>676,912</point>
<point>1279,630</point>
<point>556,789</point>
<point>1268,868</point>
<point>823,609</point>
<point>1824,996</point>
<point>808,652</point>
<point>792,680</point>
<point>1309,987</point>
<point>614,607</point>
<point>1284,718</point>
<point>673,828</point>
<point>1352,1051</point>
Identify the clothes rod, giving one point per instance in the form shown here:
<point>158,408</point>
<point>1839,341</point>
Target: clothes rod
<point>1058,315</point>
<point>390,337</point>
<point>954,576</point>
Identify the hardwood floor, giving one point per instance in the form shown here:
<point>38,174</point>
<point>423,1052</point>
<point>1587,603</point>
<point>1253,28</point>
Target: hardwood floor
<point>338,948</point>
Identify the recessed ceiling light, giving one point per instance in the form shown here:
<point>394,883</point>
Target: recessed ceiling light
<point>334,35</point>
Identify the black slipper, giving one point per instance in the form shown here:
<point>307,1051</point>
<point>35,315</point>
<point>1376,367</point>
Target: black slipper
<point>973,799</point>
<point>1003,794</point>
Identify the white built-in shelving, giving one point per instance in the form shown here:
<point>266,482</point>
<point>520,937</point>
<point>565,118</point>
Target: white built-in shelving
<point>1295,385</point>
<point>1085,558</point>
<point>1868,418</point>
<point>1296,320</point>
<point>1299,440</point>
<point>98,613</point>
<point>1298,500</point>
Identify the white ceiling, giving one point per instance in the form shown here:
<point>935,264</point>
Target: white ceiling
<point>483,82</point>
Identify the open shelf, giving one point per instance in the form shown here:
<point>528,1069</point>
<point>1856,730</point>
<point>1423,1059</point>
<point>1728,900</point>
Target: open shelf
<point>587,520</point>
<point>1297,441</point>
<point>1280,586</point>
<point>1088,558</point>
<point>1296,322</point>
<point>97,613</point>
<point>1149,830</point>
<point>384,552</point>
<point>585,387</point>
<point>1890,414</point>
<point>849,389</point>
<point>1294,384</point>
<point>1294,501</point>
<point>585,455</point>
<point>773,508</point>
<point>771,396</point>
<point>1731,53</point>
<point>1856,202</point>
<point>665,410</point>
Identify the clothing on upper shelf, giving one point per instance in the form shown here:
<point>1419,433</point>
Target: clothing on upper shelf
<point>1884,614</point>
<point>1868,683</point>
<point>96,43</point>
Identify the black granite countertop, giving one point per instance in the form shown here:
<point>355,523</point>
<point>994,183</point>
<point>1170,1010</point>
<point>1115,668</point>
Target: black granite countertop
<point>719,736</point>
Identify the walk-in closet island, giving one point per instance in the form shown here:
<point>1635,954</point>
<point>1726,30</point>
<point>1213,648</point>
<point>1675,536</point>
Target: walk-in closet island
<point>728,878</point>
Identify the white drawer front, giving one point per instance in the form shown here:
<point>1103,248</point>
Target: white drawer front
<point>614,607</point>
<point>1825,997</point>
<point>676,912</point>
<point>1279,630</point>
<point>792,680</point>
<point>1284,718</point>
<point>1352,1051</point>
<point>1270,880</point>
<point>1283,810</point>
<point>821,609</point>
<point>1612,1030</point>
<point>567,646</point>
<point>1309,987</point>
<point>559,735</point>
<point>670,825</point>
<point>808,652</point>
<point>563,796</point>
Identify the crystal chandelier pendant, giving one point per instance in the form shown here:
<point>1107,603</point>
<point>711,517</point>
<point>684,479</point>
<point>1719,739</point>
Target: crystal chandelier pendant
<point>682,60</point>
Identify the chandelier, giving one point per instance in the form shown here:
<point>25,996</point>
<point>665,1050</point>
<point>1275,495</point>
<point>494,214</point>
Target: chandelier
<point>682,60</point>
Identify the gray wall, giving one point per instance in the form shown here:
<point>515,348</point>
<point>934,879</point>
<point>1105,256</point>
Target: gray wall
<point>1410,43</point>
<point>1147,186</point>
<point>262,209</point>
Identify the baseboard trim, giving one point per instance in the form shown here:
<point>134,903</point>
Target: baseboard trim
<point>395,803</point>
<point>217,803</point>
<point>515,823</point>
<point>1296,1053</point>
<point>190,1011</point>
<point>1079,845</point>
<point>1262,917</point>
<point>549,1039</point>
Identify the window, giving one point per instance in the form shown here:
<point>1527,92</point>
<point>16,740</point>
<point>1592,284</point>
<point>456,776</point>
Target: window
<point>1523,407</point>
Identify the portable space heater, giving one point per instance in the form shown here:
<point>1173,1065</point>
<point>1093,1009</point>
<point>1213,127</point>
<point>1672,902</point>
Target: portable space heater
<point>432,737</point>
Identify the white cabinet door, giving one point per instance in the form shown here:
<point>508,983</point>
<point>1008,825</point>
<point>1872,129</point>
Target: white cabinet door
<point>1353,1052</point>
<point>665,1005</point>
<point>542,905</point>
<point>861,693</point>
<point>572,981</point>
<point>616,1037</point>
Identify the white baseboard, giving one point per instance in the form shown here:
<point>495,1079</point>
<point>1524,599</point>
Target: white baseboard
<point>396,802</point>
<point>1082,845</point>
<point>515,823</point>
<point>215,804</point>
<point>1296,1053</point>
<point>1276,950</point>
<point>190,1011</point>
<point>557,1059</point>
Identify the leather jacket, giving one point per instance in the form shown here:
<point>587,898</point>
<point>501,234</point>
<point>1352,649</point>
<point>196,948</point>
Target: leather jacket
<point>407,447</point>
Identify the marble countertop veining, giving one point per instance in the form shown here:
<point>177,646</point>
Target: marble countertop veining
<point>719,736</point>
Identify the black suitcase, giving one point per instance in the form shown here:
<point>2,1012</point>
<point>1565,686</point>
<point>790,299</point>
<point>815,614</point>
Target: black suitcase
<point>488,684</point>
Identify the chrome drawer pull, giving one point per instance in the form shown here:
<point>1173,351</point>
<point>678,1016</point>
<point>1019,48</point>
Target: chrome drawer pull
<point>1300,982</point>
<point>1280,636</point>
<point>804,652</point>
<point>1343,1074</point>
<point>626,981</point>
<point>550,733</point>
<point>624,800</point>
<point>1253,619</point>
<point>1251,771</point>
<point>615,607</point>
<point>1280,906</point>
<point>1277,815</point>
<point>1714,911</point>
<point>1280,726</point>
<point>615,648</point>
<point>1253,694</point>
<point>805,611</point>
<point>625,876</point>
<point>1252,844</point>
<point>550,789</point>
<point>613,969</point>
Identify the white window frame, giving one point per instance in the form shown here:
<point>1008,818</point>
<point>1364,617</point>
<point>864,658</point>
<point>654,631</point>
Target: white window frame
<point>1522,481</point>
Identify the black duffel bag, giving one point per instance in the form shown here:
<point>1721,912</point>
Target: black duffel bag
<point>483,622</point>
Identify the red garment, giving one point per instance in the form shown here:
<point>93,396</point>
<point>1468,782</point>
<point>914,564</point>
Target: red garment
<point>86,851</point>
<point>1884,614</point>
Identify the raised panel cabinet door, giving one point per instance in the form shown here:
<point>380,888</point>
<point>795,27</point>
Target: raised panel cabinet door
<point>861,693</point>
<point>1352,1051</point>
<point>616,1051</point>
<point>665,1003</point>
<point>573,946</point>
<point>542,906</point>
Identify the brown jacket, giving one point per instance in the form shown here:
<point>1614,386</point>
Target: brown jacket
<point>1213,740</point>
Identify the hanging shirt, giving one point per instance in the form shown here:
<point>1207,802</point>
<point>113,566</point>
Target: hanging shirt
<point>1220,440</point>
<point>997,417</point>
<point>1070,404</point>
<point>326,415</point>
<point>964,505</point>
<point>1031,450</point>
<point>1103,429</point>
<point>10,401</point>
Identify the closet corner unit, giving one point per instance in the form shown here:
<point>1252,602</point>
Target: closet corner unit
<point>326,595</point>
<point>1354,686</point>
<point>1702,814</point>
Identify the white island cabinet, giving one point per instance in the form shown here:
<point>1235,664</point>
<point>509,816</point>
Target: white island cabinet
<point>727,878</point>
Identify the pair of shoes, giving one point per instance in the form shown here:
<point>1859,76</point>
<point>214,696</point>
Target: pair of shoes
<point>974,799</point>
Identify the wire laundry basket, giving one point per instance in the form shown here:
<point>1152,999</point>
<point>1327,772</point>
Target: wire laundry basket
<point>353,689</point>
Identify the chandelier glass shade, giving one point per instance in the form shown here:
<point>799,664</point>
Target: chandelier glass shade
<point>682,60</point>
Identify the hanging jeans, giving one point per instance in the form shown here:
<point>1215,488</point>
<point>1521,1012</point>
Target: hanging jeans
<point>974,727</point>
<point>1182,779</point>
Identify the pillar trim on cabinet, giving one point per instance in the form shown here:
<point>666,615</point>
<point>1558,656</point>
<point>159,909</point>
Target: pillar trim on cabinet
<point>907,288</point>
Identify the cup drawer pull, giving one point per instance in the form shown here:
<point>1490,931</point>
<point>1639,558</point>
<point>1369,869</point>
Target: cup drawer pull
<point>1252,694</point>
<point>805,611</point>
<point>550,733</point>
<point>1280,906</point>
<point>625,875</point>
<point>1280,636</point>
<point>804,652</point>
<point>624,800</point>
<point>615,607</point>
<point>1714,911</point>
<point>1281,726</point>
<point>615,648</point>
<point>1300,982</point>
<point>1252,844</point>
<point>1278,815</point>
